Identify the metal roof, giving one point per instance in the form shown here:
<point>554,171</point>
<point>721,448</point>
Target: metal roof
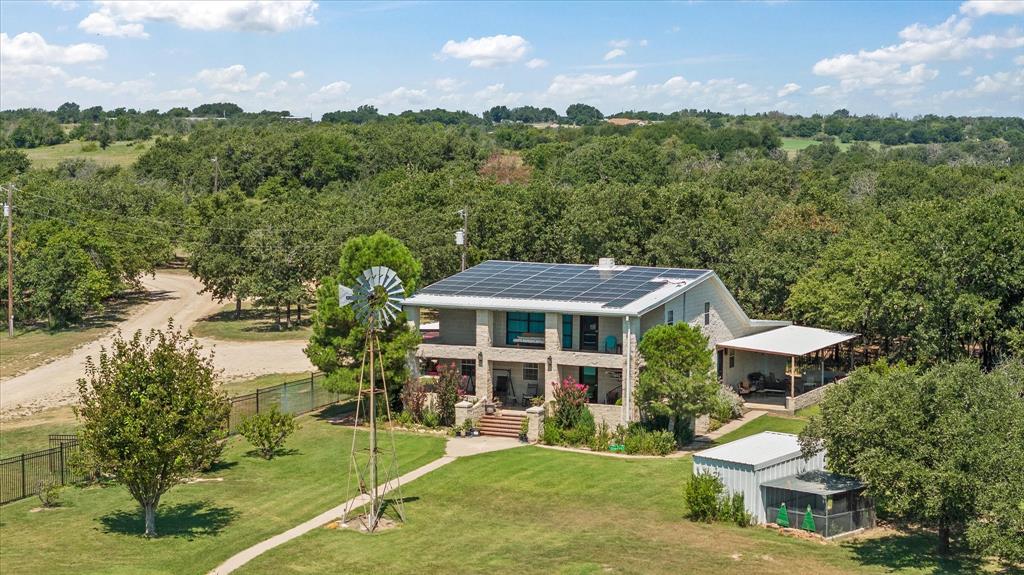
<point>816,482</point>
<point>758,451</point>
<point>559,287</point>
<point>789,340</point>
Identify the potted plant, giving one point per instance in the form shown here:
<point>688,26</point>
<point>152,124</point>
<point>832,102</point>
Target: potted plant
<point>458,430</point>
<point>490,408</point>
<point>537,401</point>
<point>524,430</point>
<point>471,430</point>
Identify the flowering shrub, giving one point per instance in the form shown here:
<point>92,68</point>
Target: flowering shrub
<point>414,400</point>
<point>570,403</point>
<point>449,380</point>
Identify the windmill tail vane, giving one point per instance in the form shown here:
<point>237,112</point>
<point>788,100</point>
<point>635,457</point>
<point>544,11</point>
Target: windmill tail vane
<point>375,299</point>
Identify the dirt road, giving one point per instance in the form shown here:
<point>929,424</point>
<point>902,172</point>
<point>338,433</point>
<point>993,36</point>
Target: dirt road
<point>172,295</point>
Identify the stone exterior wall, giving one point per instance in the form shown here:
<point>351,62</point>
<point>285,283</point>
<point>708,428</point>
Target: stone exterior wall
<point>807,399</point>
<point>611,415</point>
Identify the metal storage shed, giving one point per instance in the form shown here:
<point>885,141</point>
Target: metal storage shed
<point>743,465</point>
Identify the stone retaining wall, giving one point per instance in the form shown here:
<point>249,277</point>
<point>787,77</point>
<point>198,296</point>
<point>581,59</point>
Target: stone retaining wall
<point>609,414</point>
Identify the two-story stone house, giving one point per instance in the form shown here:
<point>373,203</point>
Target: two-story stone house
<point>515,328</point>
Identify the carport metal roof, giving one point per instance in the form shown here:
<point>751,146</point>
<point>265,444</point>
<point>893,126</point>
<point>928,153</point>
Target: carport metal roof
<point>792,340</point>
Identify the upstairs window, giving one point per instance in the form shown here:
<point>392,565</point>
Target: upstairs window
<point>566,331</point>
<point>707,313</point>
<point>518,323</point>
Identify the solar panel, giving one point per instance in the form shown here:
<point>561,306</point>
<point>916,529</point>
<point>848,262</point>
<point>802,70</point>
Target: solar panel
<point>615,288</point>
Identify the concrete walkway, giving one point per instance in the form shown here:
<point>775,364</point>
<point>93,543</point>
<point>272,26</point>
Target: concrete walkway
<point>455,448</point>
<point>732,425</point>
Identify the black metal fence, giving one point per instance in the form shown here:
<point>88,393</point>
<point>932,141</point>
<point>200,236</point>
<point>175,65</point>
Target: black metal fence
<point>23,475</point>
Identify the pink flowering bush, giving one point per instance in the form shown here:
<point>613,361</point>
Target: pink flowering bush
<point>570,403</point>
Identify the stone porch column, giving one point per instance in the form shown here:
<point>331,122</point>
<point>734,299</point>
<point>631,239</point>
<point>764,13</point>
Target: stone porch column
<point>535,417</point>
<point>484,343</point>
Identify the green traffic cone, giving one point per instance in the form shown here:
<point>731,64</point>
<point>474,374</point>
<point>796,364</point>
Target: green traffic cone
<point>808,524</point>
<point>783,518</point>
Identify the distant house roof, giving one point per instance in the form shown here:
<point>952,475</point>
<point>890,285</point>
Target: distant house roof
<point>789,340</point>
<point>626,122</point>
<point>526,286</point>
<point>758,451</point>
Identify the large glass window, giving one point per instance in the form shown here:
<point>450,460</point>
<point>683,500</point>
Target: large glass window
<point>531,372</point>
<point>566,331</point>
<point>518,323</point>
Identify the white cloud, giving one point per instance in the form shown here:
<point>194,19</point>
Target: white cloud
<point>104,24</point>
<point>400,98</point>
<point>89,84</point>
<point>998,83</point>
<point>297,75</point>
<point>576,85</point>
<point>1019,60</point>
<point>126,19</point>
<point>233,79</point>
<point>967,71</point>
<point>65,5</point>
<point>331,92</point>
<point>985,7</point>
<point>447,85</point>
<point>788,89</point>
<point>905,63</point>
<point>825,90</point>
<point>618,43</point>
<point>183,96</point>
<point>717,93</point>
<point>612,54</point>
<point>32,48</point>
<point>536,63</point>
<point>488,51</point>
<point>495,95</point>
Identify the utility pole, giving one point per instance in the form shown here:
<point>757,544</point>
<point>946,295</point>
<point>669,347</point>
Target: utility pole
<point>460,236</point>
<point>9,214</point>
<point>216,174</point>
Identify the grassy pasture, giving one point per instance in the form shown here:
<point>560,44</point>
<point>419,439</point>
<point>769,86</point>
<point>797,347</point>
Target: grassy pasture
<point>116,154</point>
<point>254,324</point>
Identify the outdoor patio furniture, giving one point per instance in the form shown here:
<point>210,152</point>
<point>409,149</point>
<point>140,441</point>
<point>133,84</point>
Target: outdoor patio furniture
<point>611,345</point>
<point>531,392</point>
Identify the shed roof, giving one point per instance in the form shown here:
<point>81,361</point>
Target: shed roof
<point>816,482</point>
<point>758,451</point>
<point>789,340</point>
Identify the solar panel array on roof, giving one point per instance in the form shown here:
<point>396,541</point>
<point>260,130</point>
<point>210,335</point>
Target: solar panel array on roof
<point>614,287</point>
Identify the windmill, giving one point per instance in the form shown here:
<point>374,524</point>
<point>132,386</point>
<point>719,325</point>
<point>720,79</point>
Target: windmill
<point>375,301</point>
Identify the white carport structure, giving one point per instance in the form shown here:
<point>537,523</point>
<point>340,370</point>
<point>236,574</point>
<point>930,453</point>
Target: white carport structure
<point>791,341</point>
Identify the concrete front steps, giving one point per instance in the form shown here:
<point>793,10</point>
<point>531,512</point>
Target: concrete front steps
<point>505,425</point>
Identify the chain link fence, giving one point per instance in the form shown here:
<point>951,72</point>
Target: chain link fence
<point>23,475</point>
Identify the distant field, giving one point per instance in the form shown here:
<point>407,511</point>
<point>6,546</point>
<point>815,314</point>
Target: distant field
<point>116,154</point>
<point>793,145</point>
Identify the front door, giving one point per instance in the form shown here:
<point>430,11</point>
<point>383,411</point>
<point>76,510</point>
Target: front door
<point>588,377</point>
<point>588,332</point>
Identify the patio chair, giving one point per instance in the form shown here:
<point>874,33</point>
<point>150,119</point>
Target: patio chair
<point>531,392</point>
<point>611,345</point>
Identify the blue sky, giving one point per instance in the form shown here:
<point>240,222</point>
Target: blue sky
<point>312,57</point>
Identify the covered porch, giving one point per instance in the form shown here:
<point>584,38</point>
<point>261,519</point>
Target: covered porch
<point>786,368</point>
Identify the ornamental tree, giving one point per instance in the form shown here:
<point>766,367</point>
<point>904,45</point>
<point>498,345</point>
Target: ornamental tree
<point>151,414</point>
<point>676,379</point>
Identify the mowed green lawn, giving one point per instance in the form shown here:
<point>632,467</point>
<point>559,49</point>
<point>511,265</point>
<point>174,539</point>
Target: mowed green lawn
<point>779,423</point>
<point>535,510</point>
<point>116,154</point>
<point>244,501</point>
